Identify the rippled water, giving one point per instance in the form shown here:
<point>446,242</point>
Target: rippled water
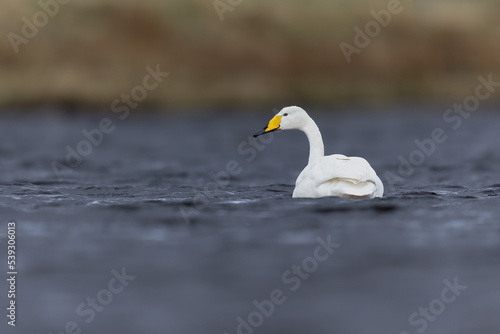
<point>202,254</point>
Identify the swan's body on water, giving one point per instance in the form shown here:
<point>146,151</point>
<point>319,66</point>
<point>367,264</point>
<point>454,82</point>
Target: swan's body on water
<point>333,175</point>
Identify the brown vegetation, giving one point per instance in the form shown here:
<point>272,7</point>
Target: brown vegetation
<point>263,53</point>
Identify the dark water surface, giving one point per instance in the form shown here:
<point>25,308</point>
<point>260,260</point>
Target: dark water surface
<point>126,205</point>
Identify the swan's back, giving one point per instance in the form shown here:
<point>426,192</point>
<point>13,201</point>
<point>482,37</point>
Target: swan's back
<point>338,175</point>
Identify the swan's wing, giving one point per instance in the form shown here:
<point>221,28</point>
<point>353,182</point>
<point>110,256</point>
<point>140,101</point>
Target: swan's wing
<point>337,173</point>
<point>337,167</point>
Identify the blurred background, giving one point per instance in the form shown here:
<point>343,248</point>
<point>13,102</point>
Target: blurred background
<point>142,196</point>
<point>263,53</point>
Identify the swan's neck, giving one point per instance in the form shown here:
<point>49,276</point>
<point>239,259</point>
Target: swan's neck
<point>316,147</point>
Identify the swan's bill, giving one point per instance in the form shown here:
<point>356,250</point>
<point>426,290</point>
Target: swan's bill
<point>274,125</point>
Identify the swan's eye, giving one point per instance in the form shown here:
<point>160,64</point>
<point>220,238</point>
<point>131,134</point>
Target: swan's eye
<point>285,114</point>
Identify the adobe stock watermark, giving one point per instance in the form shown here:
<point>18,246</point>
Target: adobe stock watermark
<point>292,279</point>
<point>95,137</point>
<point>31,27</point>
<point>453,118</point>
<point>248,149</point>
<point>223,6</point>
<point>89,308</point>
<point>372,29</point>
<point>11,274</point>
<point>421,318</point>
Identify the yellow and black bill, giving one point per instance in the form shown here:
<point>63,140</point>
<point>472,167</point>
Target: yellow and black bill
<point>274,125</point>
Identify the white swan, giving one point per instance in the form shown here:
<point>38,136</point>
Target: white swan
<point>333,175</point>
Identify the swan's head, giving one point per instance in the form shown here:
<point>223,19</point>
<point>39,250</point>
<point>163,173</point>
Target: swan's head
<point>288,118</point>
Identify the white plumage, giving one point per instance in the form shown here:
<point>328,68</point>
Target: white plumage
<point>333,175</point>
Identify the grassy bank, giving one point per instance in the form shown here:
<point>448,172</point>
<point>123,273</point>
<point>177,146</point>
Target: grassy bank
<point>263,53</point>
